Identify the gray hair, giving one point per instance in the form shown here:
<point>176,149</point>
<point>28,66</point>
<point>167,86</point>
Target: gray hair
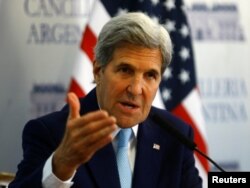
<point>135,28</point>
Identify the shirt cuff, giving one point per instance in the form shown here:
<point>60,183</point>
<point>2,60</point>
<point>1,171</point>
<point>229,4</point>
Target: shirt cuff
<point>49,179</point>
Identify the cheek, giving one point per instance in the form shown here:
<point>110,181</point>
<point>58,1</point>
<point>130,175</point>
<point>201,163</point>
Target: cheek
<point>151,92</point>
<point>112,89</point>
<point>148,102</point>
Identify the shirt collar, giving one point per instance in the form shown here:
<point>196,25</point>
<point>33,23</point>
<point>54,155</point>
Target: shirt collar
<point>134,129</point>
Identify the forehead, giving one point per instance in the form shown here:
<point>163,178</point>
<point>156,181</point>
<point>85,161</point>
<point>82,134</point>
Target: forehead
<point>137,56</point>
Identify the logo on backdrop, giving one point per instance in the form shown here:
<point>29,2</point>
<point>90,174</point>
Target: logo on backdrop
<point>219,22</point>
<point>46,98</point>
<point>225,100</point>
<point>54,22</point>
<point>225,106</point>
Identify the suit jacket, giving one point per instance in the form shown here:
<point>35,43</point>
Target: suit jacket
<point>170,166</point>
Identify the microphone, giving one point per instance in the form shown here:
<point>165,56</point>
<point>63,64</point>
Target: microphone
<point>169,127</point>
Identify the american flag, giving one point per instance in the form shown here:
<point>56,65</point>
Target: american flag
<point>178,90</point>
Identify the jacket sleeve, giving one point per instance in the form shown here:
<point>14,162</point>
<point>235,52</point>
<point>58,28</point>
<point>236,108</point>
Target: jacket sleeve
<point>37,145</point>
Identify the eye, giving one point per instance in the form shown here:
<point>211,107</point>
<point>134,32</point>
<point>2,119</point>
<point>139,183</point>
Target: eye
<point>125,70</point>
<point>152,75</point>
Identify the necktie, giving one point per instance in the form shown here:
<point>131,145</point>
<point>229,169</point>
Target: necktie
<point>122,158</point>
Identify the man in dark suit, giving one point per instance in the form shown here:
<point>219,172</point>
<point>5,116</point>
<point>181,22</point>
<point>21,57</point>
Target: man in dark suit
<point>77,146</point>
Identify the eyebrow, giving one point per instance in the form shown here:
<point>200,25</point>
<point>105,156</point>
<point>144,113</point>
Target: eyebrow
<point>124,64</point>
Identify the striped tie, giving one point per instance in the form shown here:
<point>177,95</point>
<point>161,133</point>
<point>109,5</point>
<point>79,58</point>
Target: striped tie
<point>122,158</point>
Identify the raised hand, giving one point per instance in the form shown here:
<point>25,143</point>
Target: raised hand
<point>84,135</point>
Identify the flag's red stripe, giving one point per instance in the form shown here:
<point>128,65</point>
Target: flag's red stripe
<point>88,42</point>
<point>183,114</point>
<point>74,87</point>
<point>87,45</point>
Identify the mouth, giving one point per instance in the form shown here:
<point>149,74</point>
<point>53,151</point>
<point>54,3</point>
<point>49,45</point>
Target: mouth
<point>130,105</point>
<point>127,105</point>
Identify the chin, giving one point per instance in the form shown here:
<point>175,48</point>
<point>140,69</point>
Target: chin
<point>127,123</point>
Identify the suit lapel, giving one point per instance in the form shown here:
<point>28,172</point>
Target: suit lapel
<point>103,164</point>
<point>148,157</point>
<point>104,169</point>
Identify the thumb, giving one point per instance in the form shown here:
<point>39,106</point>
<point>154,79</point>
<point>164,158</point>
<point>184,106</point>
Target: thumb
<point>74,106</point>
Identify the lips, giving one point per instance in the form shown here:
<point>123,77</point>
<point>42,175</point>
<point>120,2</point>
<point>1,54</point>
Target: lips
<point>130,105</point>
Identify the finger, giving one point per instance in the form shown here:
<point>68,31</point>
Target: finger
<point>98,126</point>
<point>90,118</point>
<point>88,132</point>
<point>100,143</point>
<point>100,134</point>
<point>74,105</point>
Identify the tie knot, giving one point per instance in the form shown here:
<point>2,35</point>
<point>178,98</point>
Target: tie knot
<point>123,137</point>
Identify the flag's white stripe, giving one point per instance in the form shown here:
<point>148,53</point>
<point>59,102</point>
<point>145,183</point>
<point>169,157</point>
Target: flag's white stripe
<point>192,104</point>
<point>98,18</point>
<point>82,72</point>
<point>202,172</point>
<point>158,100</point>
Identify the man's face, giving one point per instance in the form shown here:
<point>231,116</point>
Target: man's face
<point>127,86</point>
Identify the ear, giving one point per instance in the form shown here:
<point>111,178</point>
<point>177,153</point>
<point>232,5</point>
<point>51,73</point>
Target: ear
<point>96,71</point>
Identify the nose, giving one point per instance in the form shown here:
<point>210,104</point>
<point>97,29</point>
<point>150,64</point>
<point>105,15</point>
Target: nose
<point>135,86</point>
